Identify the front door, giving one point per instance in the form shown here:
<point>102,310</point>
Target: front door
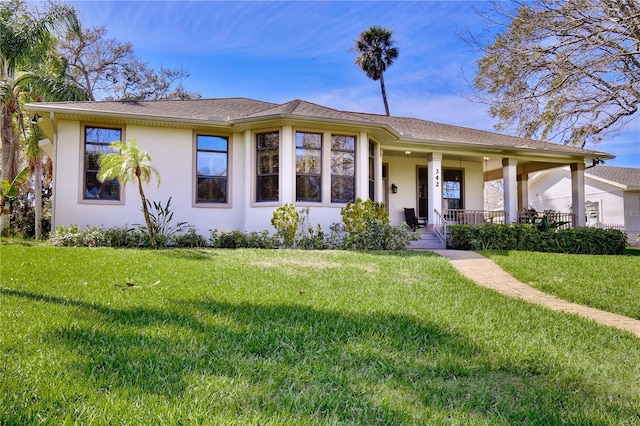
<point>422,192</point>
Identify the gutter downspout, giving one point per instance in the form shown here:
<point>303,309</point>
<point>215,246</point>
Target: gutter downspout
<point>595,162</point>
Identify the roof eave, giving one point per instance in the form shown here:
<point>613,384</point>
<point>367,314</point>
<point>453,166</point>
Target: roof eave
<point>284,116</point>
<point>35,107</point>
<point>620,185</point>
<point>503,148</point>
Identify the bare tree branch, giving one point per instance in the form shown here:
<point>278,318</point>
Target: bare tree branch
<point>570,69</point>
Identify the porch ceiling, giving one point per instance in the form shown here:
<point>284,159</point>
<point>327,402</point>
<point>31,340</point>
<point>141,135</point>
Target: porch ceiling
<point>492,160</point>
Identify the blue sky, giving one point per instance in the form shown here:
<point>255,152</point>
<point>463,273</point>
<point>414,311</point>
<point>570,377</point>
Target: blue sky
<point>279,51</point>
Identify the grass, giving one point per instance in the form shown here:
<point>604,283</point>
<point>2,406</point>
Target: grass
<point>104,336</point>
<point>610,283</point>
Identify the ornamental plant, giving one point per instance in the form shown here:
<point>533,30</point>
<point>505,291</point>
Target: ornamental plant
<point>285,220</point>
<point>356,215</point>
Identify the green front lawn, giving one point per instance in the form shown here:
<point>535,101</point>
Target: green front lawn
<point>106,336</point>
<point>610,283</point>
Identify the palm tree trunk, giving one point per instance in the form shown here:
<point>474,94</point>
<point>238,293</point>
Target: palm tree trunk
<point>145,212</point>
<point>9,169</point>
<point>9,140</point>
<point>384,93</point>
<point>37,170</point>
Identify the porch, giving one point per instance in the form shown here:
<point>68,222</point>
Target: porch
<point>449,188</point>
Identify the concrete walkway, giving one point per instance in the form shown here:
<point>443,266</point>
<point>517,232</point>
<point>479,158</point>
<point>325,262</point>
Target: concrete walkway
<point>488,274</point>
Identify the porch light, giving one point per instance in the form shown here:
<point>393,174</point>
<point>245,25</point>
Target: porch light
<point>407,153</point>
<point>394,188</point>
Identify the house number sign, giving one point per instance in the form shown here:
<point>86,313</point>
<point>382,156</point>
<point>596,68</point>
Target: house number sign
<point>437,178</point>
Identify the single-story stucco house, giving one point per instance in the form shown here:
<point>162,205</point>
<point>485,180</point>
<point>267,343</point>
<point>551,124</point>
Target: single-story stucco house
<point>228,163</point>
<point>612,196</point>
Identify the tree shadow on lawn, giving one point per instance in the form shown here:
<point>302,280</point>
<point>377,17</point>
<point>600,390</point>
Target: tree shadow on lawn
<point>308,365</point>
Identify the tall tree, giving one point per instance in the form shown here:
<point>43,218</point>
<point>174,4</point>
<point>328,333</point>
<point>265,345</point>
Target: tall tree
<point>108,69</point>
<point>25,43</point>
<point>566,70</point>
<point>130,163</point>
<point>375,54</point>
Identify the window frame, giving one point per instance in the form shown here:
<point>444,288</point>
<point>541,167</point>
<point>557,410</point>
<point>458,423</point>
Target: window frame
<point>82,199</point>
<point>355,166</point>
<point>196,175</point>
<point>256,168</point>
<point>318,176</point>
<point>445,179</point>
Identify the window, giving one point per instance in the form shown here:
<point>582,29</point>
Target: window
<point>592,210</point>
<point>452,189</point>
<point>96,144</point>
<point>308,166</point>
<point>372,171</point>
<point>268,166</point>
<point>343,154</point>
<point>212,162</point>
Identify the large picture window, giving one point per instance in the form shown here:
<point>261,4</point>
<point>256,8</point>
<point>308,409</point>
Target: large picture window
<point>212,169</point>
<point>343,171</point>
<point>268,166</point>
<point>308,167</point>
<point>96,144</point>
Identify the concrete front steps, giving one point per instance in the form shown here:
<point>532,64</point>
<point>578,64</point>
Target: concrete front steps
<point>429,241</point>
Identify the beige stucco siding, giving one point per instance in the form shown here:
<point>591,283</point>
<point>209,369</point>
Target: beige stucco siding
<point>403,172</point>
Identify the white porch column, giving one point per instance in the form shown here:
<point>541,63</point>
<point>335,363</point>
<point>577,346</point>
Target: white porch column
<point>510,189</point>
<point>287,166</point>
<point>362,166</point>
<point>523,191</point>
<point>577,193</point>
<point>380,191</point>
<point>434,182</point>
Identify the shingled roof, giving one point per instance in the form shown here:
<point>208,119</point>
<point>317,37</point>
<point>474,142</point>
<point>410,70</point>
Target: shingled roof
<point>627,176</point>
<point>237,110</point>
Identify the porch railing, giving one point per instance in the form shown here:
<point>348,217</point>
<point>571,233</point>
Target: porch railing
<point>440,226</point>
<point>473,217</point>
<point>531,216</point>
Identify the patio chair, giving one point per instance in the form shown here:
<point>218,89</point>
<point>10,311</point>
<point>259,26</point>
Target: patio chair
<point>413,222</point>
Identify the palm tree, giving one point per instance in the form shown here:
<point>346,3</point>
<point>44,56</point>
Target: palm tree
<point>376,54</point>
<point>130,163</point>
<point>25,44</point>
<point>35,158</point>
<point>9,190</point>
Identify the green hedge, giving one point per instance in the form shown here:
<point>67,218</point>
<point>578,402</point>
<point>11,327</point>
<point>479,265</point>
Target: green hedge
<point>527,237</point>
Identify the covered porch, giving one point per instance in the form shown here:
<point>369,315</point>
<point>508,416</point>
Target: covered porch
<point>447,187</point>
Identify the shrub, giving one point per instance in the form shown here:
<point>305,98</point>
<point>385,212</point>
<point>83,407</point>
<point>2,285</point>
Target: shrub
<point>119,236</point>
<point>529,237</point>
<point>189,240</point>
<point>310,238</point>
<point>285,220</point>
<point>73,236</point>
<point>356,215</point>
<point>313,239</point>
<point>231,240</point>
<point>239,239</point>
<point>378,235</point>
<point>262,240</point>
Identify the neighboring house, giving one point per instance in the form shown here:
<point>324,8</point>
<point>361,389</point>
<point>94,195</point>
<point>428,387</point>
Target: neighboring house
<point>228,163</point>
<point>612,196</point>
